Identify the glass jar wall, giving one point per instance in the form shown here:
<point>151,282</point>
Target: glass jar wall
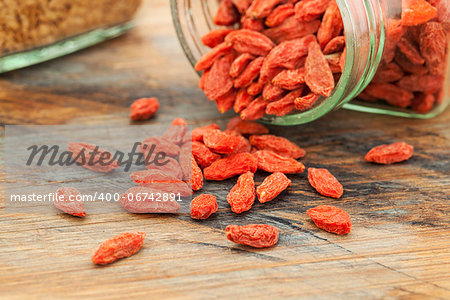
<point>396,63</point>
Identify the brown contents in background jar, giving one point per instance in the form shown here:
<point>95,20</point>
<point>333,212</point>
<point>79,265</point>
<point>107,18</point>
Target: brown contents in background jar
<point>28,24</point>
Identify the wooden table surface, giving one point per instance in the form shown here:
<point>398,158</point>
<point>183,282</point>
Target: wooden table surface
<point>399,247</point>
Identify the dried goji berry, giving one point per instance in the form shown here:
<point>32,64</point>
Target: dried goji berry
<point>277,144</point>
<point>242,5</point>
<point>220,142</point>
<point>215,37</point>
<point>331,25</point>
<point>252,24</point>
<point>119,246</point>
<point>242,196</point>
<point>388,73</point>
<point>249,41</point>
<point>334,61</point>
<point>421,83</point>
<point>67,200</point>
<point>92,157</point>
<point>389,154</point>
<point>408,66</point>
<point>336,44</point>
<point>209,58</point>
<point>272,93</point>
<point>249,74</point>
<point>255,88</point>
<point>244,145</point>
<point>230,166</point>
<point>168,166</point>
<point>423,103</point>
<point>175,133</point>
<point>394,32</point>
<point>291,28</point>
<point>246,127</point>
<point>318,75</point>
<point>144,200</point>
<point>219,82</point>
<point>262,8</point>
<point>203,79</point>
<point>285,105</point>
<point>254,235</point>
<point>225,102</point>
<point>325,183</point>
<point>197,176</point>
<point>242,100</point>
<point>433,42</point>
<point>272,186</point>
<point>393,94</point>
<point>197,133</point>
<point>144,108</point>
<point>203,155</point>
<point>161,182</point>
<point>271,162</point>
<point>290,79</point>
<point>255,110</point>
<point>226,14</point>
<point>203,206</point>
<point>239,64</point>
<point>331,219</point>
<point>415,12</point>
<point>410,51</point>
<point>308,10</point>
<point>306,102</point>
<point>279,14</point>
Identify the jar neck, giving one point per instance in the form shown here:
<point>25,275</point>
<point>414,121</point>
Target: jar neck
<point>364,31</point>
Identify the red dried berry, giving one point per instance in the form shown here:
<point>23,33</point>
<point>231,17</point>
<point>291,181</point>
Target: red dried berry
<point>336,44</point>
<point>391,93</point>
<point>308,10</point>
<point>255,110</point>
<point>242,100</point>
<point>225,103</point>
<point>220,142</point>
<point>291,29</point>
<point>249,41</point>
<point>423,103</point>
<point>219,82</point>
<point>143,109</point>
<point>68,200</point>
<point>331,24</point>
<point>226,14</point>
<point>240,63</point>
<point>197,133</point>
<point>271,162</point>
<point>331,219</point>
<point>318,75</point>
<point>290,79</point>
<point>168,166</point>
<point>162,182</point>
<point>203,206</point>
<point>277,144</point>
<point>215,37</point>
<point>272,93</point>
<point>433,44</point>
<point>285,105</point>
<point>119,246</point>
<point>246,127</point>
<point>389,154</point>
<point>249,74</point>
<point>306,102</point>
<point>157,144</point>
<point>203,156</point>
<point>176,132</point>
<point>262,8</point>
<point>415,12</point>
<point>242,196</point>
<point>92,157</point>
<point>230,166</point>
<point>280,14</point>
<point>144,200</point>
<point>325,183</point>
<point>254,235</point>
<point>207,60</point>
<point>272,186</point>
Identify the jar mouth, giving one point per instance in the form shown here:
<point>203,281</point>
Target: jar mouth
<point>365,36</point>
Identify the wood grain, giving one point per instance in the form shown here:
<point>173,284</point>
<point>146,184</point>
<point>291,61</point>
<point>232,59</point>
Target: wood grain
<point>399,247</point>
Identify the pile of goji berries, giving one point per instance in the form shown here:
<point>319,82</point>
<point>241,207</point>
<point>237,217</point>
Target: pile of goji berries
<point>413,66</point>
<point>283,57</point>
<point>285,54</point>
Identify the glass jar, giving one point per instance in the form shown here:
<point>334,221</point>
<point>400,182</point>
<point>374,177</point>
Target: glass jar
<point>366,27</point>
<point>35,31</point>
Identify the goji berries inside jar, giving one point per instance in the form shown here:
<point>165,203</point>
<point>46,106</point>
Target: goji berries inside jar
<point>291,62</point>
<point>34,31</point>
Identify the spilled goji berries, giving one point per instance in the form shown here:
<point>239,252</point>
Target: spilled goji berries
<point>272,186</point>
<point>389,154</point>
<point>242,195</point>
<point>203,206</point>
<point>271,162</point>
<point>277,144</point>
<point>220,142</point>
<point>235,164</point>
<point>92,157</point>
<point>119,246</point>
<point>246,127</point>
<point>325,183</point>
<point>331,219</point>
<point>68,200</point>
<point>144,108</point>
<point>253,235</point>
